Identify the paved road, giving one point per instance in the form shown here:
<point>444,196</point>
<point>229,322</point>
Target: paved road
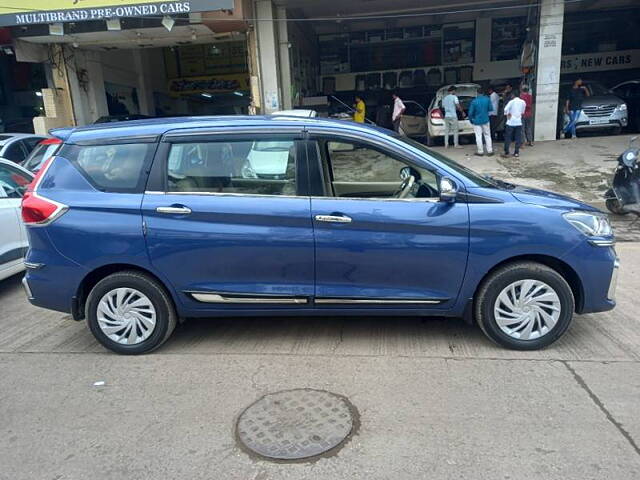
<point>436,399</point>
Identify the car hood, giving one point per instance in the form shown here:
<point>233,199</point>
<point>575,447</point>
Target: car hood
<point>544,198</point>
<point>601,100</point>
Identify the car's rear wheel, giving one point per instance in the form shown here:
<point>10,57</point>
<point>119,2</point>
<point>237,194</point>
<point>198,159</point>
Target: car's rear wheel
<point>130,313</point>
<point>524,306</point>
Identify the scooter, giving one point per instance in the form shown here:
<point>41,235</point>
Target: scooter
<point>624,196</point>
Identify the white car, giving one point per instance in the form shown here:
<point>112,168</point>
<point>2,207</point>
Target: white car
<point>269,160</point>
<point>466,92</point>
<point>13,241</point>
<point>17,146</point>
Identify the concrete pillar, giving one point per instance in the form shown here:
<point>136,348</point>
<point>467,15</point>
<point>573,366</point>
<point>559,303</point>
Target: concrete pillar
<point>145,86</point>
<point>483,40</point>
<point>86,82</point>
<point>548,69</point>
<point>285,60</point>
<point>268,61</point>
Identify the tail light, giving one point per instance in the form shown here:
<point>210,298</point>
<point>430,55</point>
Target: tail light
<point>36,209</point>
<point>436,114</point>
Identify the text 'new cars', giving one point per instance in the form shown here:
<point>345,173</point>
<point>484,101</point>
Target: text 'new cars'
<point>138,225</point>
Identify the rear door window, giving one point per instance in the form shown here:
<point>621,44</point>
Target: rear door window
<point>112,168</point>
<point>39,155</point>
<point>254,167</point>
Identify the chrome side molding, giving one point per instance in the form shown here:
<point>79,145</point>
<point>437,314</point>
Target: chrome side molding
<point>230,298</point>
<point>379,301</point>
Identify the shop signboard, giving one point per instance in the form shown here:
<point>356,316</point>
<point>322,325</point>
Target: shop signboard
<point>600,61</point>
<point>209,84</point>
<point>30,12</point>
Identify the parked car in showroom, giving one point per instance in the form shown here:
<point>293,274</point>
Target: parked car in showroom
<point>17,146</point>
<point>44,149</point>
<point>601,110</point>
<point>466,92</point>
<point>413,121</point>
<point>13,240</point>
<point>630,93</point>
<point>364,222</point>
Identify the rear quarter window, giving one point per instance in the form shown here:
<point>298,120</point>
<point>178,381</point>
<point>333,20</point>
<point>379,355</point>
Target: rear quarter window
<point>112,168</point>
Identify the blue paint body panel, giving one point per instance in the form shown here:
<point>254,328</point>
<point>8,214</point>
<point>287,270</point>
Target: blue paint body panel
<point>260,245</point>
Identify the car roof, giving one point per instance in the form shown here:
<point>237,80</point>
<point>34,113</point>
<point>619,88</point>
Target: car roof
<point>10,137</point>
<point>155,127</point>
<point>16,166</point>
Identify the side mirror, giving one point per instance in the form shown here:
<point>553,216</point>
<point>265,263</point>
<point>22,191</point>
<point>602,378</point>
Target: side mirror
<point>448,190</point>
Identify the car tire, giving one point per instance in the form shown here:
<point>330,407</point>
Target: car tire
<point>490,298</point>
<point>614,206</point>
<point>146,307</point>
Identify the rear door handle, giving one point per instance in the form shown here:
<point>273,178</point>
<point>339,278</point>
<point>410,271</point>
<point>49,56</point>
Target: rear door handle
<point>174,210</point>
<point>333,218</point>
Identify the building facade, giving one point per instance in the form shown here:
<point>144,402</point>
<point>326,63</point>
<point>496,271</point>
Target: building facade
<point>116,59</point>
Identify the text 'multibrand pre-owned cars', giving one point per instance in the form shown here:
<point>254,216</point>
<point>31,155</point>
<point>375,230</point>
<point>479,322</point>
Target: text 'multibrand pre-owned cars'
<point>137,225</point>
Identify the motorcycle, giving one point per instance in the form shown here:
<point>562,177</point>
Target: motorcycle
<point>624,196</point>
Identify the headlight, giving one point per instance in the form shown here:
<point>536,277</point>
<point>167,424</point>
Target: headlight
<point>622,107</point>
<point>591,224</point>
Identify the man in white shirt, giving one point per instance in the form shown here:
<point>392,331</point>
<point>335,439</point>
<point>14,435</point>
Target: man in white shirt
<point>513,129</point>
<point>398,110</point>
<point>493,114</point>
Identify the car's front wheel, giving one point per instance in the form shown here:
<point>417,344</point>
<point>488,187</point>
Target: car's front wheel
<point>524,306</point>
<point>130,313</point>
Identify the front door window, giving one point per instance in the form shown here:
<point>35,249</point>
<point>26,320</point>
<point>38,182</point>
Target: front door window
<point>363,171</point>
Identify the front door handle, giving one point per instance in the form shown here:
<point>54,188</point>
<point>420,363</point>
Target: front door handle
<point>174,210</point>
<point>333,218</point>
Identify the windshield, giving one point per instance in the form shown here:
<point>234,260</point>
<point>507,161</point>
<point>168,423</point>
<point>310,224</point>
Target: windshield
<point>461,169</point>
<point>597,89</point>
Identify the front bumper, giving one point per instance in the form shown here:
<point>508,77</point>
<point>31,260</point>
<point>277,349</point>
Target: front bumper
<point>617,119</point>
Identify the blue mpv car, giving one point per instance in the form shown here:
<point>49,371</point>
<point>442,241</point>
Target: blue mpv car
<point>139,225</point>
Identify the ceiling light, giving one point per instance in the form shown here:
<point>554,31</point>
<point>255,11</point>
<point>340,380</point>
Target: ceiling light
<point>113,24</point>
<point>38,94</point>
<point>206,95</point>
<point>240,94</point>
<point>168,22</point>
<point>56,29</point>
<point>7,50</point>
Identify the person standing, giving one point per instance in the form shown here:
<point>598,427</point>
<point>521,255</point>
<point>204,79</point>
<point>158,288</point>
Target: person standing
<point>513,129</point>
<point>360,110</point>
<point>398,110</point>
<point>573,106</point>
<point>451,106</point>
<point>493,114</point>
<point>527,117</point>
<point>479,111</point>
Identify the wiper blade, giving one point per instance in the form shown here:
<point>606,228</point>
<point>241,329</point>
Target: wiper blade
<point>500,183</point>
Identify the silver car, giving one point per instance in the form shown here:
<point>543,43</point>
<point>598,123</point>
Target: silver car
<point>601,110</point>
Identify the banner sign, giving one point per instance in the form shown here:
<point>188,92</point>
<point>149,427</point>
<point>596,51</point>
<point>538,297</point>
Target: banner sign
<point>210,83</point>
<point>30,12</point>
<point>593,62</point>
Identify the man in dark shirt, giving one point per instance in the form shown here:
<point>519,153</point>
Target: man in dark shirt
<point>573,105</point>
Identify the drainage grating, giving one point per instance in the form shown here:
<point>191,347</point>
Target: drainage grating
<point>296,424</point>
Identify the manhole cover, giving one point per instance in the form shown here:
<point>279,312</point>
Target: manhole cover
<point>296,424</point>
